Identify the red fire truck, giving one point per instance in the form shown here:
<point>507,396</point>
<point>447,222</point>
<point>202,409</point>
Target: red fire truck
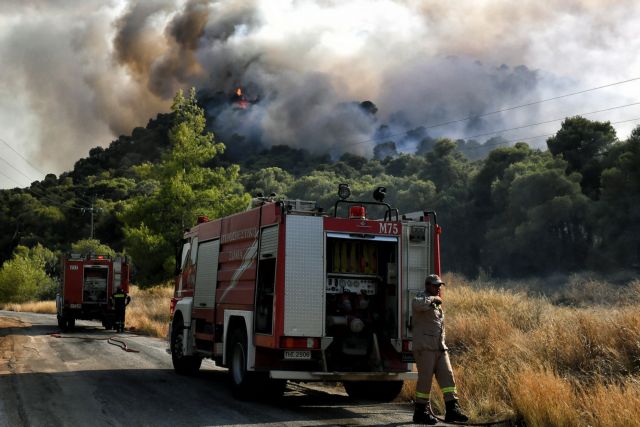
<point>88,281</point>
<point>284,292</point>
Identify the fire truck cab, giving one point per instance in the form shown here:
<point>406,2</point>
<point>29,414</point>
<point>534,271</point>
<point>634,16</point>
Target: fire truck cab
<point>284,292</point>
<point>88,281</point>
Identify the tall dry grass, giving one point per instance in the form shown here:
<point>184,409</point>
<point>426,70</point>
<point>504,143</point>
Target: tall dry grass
<point>148,312</point>
<point>46,307</point>
<point>517,355</point>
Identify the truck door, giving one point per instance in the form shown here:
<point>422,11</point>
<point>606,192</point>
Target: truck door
<point>72,282</point>
<point>266,280</point>
<point>206,274</point>
<point>417,263</point>
<point>94,290</point>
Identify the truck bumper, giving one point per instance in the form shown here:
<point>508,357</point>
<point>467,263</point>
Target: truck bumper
<point>343,376</point>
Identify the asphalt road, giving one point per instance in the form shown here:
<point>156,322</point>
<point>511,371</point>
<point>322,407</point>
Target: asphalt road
<point>79,379</point>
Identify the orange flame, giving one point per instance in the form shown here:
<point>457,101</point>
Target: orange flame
<point>239,91</point>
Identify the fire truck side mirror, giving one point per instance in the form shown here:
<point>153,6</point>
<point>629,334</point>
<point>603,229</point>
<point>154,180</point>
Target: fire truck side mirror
<point>179,246</point>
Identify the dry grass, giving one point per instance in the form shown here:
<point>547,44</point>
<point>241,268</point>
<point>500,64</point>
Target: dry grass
<point>148,312</point>
<point>46,307</point>
<point>549,365</point>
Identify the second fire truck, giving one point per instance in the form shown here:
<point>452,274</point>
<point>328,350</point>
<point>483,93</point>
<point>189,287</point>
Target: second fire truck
<point>284,292</point>
<point>88,281</point>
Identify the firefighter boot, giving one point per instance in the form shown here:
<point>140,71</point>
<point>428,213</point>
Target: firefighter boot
<point>454,413</point>
<point>422,416</point>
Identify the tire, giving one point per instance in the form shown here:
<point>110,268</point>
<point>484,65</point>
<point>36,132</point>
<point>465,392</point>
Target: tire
<point>242,381</point>
<point>62,323</point>
<point>182,364</point>
<point>379,391</point>
<point>71,323</point>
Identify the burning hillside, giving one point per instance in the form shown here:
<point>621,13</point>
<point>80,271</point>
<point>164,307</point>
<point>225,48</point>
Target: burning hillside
<point>295,73</point>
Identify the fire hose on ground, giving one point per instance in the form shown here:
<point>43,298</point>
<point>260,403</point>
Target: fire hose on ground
<point>110,340</point>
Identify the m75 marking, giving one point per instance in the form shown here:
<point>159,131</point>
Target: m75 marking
<point>388,228</point>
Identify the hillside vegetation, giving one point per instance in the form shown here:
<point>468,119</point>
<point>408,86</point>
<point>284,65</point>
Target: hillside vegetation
<point>515,211</point>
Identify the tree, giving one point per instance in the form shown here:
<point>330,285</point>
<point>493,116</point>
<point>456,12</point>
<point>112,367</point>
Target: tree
<point>404,165</point>
<point>321,187</point>
<point>267,181</point>
<point>544,220</point>
<point>385,149</point>
<point>185,189</point>
<point>446,167</point>
<point>91,246</point>
<point>582,143</point>
<point>616,213</point>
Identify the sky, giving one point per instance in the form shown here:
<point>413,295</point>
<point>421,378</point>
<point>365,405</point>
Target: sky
<point>76,74</point>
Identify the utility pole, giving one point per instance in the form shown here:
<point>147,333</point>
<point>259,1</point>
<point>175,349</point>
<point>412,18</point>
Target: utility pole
<point>91,210</point>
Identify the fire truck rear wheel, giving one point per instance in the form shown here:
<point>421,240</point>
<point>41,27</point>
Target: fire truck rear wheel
<point>182,364</point>
<point>71,323</point>
<point>380,391</point>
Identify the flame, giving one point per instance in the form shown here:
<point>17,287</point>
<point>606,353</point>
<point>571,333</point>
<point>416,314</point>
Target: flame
<point>241,101</point>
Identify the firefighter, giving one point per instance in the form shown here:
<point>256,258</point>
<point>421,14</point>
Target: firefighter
<point>430,353</point>
<point>120,301</point>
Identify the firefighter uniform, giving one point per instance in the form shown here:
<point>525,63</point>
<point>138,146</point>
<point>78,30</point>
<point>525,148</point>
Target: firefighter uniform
<point>431,356</point>
<point>120,301</point>
<point>430,350</point>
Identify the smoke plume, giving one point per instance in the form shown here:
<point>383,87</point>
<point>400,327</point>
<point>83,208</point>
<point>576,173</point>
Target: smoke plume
<point>75,75</point>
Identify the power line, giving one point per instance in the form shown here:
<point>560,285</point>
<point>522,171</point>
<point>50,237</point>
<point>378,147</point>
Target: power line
<point>550,121</point>
<point>515,107</point>
<point>14,168</point>
<point>11,179</point>
<point>506,143</point>
<point>30,164</point>
<point>21,156</point>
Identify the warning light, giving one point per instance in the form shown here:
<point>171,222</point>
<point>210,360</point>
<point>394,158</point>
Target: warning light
<point>357,212</point>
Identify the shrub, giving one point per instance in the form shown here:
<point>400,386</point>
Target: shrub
<point>24,277</point>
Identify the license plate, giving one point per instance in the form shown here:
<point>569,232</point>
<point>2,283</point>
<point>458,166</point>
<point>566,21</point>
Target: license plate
<point>297,354</point>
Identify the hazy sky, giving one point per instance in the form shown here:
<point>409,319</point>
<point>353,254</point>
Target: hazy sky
<point>75,74</point>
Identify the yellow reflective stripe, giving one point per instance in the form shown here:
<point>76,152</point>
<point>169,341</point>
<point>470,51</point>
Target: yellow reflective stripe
<point>422,395</point>
<point>118,296</point>
<point>449,389</point>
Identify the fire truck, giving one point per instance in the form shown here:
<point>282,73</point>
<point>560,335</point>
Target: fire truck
<point>286,292</point>
<point>88,281</point>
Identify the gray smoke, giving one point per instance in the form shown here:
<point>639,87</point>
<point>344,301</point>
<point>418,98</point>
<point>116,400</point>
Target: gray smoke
<point>75,75</point>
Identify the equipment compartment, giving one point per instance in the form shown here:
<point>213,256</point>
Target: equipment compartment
<point>361,301</point>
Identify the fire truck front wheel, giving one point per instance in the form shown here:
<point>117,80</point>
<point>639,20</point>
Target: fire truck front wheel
<point>242,383</point>
<point>183,364</point>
